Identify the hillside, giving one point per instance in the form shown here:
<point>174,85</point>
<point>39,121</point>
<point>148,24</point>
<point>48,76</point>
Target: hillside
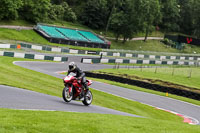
<point>13,35</point>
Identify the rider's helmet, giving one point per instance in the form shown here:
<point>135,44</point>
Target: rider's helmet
<point>72,66</point>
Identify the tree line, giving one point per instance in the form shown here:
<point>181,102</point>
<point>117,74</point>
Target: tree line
<point>124,17</point>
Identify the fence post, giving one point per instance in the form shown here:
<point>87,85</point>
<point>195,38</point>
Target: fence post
<point>190,73</point>
<point>173,71</point>
<point>114,67</point>
<point>156,69</point>
<point>118,66</point>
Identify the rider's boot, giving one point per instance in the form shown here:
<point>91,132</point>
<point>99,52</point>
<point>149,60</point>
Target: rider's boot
<point>84,92</point>
<point>86,87</point>
<point>81,97</point>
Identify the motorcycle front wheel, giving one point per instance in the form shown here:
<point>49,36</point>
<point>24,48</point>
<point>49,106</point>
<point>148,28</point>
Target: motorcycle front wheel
<point>67,96</point>
<point>88,98</point>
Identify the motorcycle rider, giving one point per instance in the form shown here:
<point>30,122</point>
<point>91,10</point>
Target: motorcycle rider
<point>79,75</point>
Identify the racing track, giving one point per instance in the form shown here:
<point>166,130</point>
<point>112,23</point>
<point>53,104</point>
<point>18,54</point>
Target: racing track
<point>166,103</point>
<point>16,98</point>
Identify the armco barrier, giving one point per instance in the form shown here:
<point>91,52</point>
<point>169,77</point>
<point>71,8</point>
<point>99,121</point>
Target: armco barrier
<point>140,61</point>
<point>33,56</point>
<point>115,54</point>
<point>142,84</point>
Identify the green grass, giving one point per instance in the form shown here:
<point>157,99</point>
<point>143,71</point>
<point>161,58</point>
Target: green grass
<point>43,83</point>
<point>153,34</point>
<point>70,25</point>
<point>153,46</point>
<point>21,35</point>
<point>39,121</point>
<point>180,75</point>
<point>16,22</point>
<point>19,121</point>
<point>12,36</point>
<point>12,49</point>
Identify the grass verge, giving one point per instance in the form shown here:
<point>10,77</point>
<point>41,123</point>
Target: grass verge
<point>19,121</point>
<point>39,121</point>
<point>147,90</point>
<point>187,76</point>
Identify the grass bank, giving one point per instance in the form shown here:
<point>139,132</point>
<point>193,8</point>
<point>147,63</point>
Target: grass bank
<point>30,36</point>
<point>74,26</point>
<point>151,45</point>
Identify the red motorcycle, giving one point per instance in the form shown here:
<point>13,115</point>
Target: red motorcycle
<point>73,89</point>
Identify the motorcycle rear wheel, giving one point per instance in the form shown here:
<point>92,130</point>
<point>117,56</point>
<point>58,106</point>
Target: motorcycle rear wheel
<point>88,98</point>
<point>67,97</point>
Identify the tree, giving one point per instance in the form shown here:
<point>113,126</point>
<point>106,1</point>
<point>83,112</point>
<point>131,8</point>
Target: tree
<point>95,13</point>
<point>149,11</point>
<point>68,15</point>
<point>196,8</point>
<point>125,21</point>
<point>56,12</point>
<point>9,9</point>
<point>112,4</point>
<point>57,2</point>
<point>62,12</point>
<point>35,10</point>
<point>170,15</point>
<point>187,16</point>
